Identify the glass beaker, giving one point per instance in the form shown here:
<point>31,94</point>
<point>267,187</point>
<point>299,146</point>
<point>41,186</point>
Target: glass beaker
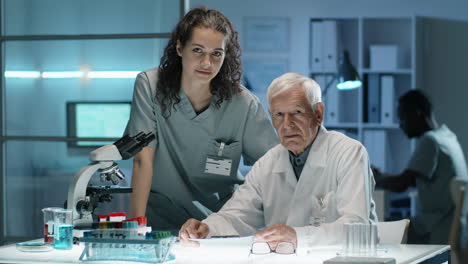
<point>63,229</point>
<point>49,224</point>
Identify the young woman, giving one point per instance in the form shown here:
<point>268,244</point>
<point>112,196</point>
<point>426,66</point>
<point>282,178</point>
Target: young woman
<point>204,121</point>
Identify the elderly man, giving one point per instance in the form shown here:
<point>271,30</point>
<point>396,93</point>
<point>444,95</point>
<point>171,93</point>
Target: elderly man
<point>302,190</point>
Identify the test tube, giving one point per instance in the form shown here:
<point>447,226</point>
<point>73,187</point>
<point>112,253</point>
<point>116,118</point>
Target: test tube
<point>102,218</point>
<point>357,238</point>
<point>373,238</point>
<point>117,217</point>
<point>142,222</point>
<point>131,229</point>
<point>348,240</point>
<point>363,238</point>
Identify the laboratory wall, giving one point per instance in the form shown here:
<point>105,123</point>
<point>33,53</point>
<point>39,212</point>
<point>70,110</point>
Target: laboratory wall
<point>447,88</point>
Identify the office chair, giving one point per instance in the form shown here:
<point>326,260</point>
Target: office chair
<point>393,232</point>
<point>459,255</point>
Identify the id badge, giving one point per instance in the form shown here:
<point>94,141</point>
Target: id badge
<point>218,165</point>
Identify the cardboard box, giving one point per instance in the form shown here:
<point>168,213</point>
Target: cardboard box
<point>383,57</point>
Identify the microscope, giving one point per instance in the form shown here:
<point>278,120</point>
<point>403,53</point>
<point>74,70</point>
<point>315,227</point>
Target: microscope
<point>83,199</point>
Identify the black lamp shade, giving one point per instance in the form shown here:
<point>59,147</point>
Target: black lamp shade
<point>348,78</point>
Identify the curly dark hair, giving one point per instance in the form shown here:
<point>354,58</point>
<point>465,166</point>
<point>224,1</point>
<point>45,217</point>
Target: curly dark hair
<point>225,84</point>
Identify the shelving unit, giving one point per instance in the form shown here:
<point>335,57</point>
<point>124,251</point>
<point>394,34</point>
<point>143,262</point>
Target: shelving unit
<point>430,55</point>
<point>348,111</point>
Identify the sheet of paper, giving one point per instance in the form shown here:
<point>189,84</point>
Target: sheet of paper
<point>228,242</point>
<point>211,250</point>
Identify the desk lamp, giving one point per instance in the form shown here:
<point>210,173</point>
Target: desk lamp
<point>347,76</point>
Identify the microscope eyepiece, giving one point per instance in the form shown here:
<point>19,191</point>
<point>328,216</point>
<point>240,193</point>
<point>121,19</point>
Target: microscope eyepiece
<point>129,146</point>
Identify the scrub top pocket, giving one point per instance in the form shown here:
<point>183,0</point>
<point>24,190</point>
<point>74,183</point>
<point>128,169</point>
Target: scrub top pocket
<point>228,151</point>
<point>212,181</point>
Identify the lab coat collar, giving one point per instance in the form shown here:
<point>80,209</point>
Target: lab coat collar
<point>317,155</point>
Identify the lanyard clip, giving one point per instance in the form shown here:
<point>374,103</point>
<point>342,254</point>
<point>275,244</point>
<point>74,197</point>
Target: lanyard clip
<point>221,148</point>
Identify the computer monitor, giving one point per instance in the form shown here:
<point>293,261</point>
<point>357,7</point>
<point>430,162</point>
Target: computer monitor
<point>96,120</point>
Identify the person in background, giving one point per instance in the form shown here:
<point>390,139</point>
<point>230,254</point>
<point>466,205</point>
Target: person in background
<point>204,121</point>
<point>436,161</point>
<point>303,190</point>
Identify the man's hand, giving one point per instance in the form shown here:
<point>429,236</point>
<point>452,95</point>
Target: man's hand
<point>275,234</point>
<point>192,229</point>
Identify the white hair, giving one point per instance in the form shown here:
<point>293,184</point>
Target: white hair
<point>289,80</point>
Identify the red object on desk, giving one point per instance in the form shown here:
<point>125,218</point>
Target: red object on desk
<point>47,239</point>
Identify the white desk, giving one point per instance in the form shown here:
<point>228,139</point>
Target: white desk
<point>404,254</point>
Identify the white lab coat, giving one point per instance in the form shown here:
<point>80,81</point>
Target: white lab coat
<point>336,185</point>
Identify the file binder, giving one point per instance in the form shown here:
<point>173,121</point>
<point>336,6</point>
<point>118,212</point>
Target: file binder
<point>373,98</point>
<point>330,50</point>
<point>324,46</point>
<point>387,99</point>
<point>316,46</point>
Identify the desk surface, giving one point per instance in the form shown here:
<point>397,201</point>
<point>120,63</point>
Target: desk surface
<point>404,254</point>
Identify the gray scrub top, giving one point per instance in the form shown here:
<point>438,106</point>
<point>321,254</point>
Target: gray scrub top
<point>439,158</point>
<point>185,139</point>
